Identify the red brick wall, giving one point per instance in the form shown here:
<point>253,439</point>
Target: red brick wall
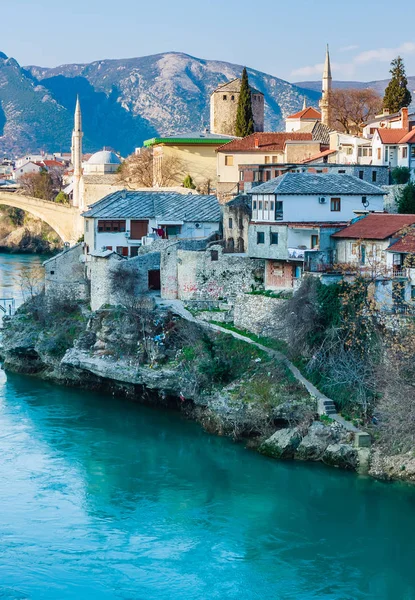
<point>278,275</point>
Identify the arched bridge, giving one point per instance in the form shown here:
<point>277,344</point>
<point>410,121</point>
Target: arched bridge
<point>65,220</point>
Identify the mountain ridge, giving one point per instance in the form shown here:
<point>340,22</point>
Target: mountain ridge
<point>124,101</point>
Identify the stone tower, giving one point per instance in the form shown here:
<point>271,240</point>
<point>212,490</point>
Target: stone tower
<point>76,152</point>
<point>326,91</point>
<point>224,104</point>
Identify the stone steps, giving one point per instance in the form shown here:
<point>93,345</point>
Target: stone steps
<point>329,407</point>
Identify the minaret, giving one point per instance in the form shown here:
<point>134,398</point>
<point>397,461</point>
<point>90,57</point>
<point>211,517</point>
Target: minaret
<point>77,154</point>
<point>326,91</point>
<point>304,103</point>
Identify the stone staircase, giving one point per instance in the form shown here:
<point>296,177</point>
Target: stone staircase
<point>329,407</point>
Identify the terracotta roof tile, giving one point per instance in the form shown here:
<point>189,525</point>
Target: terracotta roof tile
<point>391,136</point>
<point>376,226</point>
<point>266,142</point>
<point>409,138</point>
<point>319,155</point>
<point>405,244</point>
<point>306,113</point>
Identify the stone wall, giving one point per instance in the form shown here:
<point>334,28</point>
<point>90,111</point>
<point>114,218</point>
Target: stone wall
<point>208,275</point>
<point>100,279</point>
<point>258,314</point>
<point>65,274</point>
<point>391,195</point>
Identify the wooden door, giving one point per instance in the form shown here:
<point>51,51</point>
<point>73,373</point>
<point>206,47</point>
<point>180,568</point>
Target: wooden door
<point>138,229</point>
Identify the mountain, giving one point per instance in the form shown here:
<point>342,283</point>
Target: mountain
<point>379,86</point>
<point>124,101</point>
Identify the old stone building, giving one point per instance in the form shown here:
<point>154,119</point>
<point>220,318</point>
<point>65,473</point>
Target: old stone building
<point>224,104</point>
<point>236,217</point>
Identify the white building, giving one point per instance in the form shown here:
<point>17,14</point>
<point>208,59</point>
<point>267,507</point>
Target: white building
<point>351,149</point>
<point>125,220</point>
<point>394,148</point>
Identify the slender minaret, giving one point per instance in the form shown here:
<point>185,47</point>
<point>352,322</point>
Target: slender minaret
<point>77,154</point>
<point>304,103</point>
<point>326,91</point>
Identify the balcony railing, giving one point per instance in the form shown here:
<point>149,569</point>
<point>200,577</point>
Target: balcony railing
<point>296,253</point>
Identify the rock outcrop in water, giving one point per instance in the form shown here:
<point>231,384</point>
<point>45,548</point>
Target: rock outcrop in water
<point>153,356</point>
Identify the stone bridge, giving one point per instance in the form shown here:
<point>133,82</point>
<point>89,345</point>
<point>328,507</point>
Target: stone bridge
<point>65,220</point>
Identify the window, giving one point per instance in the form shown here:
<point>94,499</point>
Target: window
<point>230,223</point>
<point>267,160</point>
<point>362,255</point>
<point>260,237</point>
<point>52,272</point>
<point>314,241</point>
<point>225,97</point>
<point>111,227</point>
<point>319,170</point>
<point>275,159</point>
<point>361,174</point>
<point>342,171</point>
<point>86,225</point>
<point>232,97</point>
<point>254,205</point>
<point>374,176</point>
<point>349,150</point>
<point>413,151</point>
<point>265,204</point>
<point>229,161</point>
<point>260,205</point>
<point>122,250</point>
<point>379,153</point>
<point>214,255</point>
<point>386,154</point>
<point>271,205</point>
<point>109,247</point>
<point>273,238</point>
<point>241,175</point>
<point>335,205</point>
<point>404,151</point>
<point>278,210</point>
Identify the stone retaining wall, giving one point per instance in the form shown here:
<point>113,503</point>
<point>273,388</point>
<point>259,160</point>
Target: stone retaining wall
<point>258,314</point>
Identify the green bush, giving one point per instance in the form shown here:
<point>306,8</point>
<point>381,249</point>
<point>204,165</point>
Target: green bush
<point>400,175</point>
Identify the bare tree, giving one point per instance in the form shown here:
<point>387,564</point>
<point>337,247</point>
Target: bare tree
<point>31,281</point>
<point>352,108</point>
<point>39,185</point>
<point>144,170</point>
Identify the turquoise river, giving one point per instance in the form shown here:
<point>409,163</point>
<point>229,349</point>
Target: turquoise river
<point>101,498</point>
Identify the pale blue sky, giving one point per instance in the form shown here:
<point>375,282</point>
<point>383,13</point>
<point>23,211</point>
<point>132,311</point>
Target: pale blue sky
<point>286,39</point>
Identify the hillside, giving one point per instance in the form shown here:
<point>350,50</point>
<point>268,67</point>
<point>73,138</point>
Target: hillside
<point>379,86</point>
<point>123,101</point>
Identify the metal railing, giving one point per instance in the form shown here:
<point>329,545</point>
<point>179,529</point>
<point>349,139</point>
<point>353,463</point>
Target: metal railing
<point>7,307</point>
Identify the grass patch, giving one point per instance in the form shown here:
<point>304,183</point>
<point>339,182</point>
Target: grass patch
<point>272,343</point>
<point>282,295</point>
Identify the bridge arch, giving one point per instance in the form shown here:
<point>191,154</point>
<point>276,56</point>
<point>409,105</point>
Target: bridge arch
<point>66,221</point>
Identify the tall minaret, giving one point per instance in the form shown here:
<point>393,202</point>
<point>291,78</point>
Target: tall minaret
<point>77,154</point>
<point>304,103</point>
<point>326,89</point>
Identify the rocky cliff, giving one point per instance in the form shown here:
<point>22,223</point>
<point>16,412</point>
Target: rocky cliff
<point>153,356</point>
<point>21,232</point>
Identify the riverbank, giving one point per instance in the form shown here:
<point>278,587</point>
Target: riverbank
<point>151,355</point>
<point>23,233</point>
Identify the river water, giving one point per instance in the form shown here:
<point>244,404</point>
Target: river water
<point>104,498</point>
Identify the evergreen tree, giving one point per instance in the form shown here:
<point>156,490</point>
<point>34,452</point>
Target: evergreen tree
<point>188,183</point>
<point>406,199</point>
<point>244,124</point>
<point>397,94</point>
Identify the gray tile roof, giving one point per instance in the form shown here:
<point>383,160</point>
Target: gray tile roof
<point>317,184</point>
<point>161,205</point>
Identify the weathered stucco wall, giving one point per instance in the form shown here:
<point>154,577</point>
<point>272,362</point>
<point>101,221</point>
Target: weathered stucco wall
<point>65,275</point>
<point>259,314</point>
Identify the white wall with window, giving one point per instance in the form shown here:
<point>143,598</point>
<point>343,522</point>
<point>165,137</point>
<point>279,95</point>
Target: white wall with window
<point>308,208</point>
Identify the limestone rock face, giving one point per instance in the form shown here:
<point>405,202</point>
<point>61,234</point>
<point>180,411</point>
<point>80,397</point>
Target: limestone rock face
<point>314,444</point>
<point>341,455</point>
<point>282,444</point>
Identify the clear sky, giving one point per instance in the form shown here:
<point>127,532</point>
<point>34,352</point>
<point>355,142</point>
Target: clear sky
<point>283,38</point>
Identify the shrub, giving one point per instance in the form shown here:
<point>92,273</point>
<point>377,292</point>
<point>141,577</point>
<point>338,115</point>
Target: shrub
<point>400,175</point>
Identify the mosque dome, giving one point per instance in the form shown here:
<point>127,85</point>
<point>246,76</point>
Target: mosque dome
<point>104,157</point>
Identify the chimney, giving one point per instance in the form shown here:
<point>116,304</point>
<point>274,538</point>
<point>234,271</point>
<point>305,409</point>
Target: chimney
<point>256,142</point>
<point>404,118</point>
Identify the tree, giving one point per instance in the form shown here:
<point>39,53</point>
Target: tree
<point>400,175</point>
<point>188,183</point>
<point>406,199</point>
<point>138,170</point>
<point>352,108</point>
<point>397,95</point>
<point>39,185</point>
<point>62,198</point>
<point>244,124</point>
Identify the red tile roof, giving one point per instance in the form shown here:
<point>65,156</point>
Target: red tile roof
<point>306,113</point>
<point>376,226</point>
<point>391,136</point>
<point>405,244</point>
<point>409,138</point>
<point>319,155</point>
<point>264,142</point>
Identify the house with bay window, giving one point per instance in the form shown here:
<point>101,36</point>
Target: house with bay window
<point>297,213</point>
<point>126,220</point>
